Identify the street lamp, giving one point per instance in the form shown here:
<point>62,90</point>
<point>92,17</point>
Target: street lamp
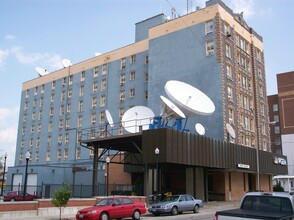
<point>28,155</point>
<point>107,174</point>
<point>3,178</point>
<point>156,151</point>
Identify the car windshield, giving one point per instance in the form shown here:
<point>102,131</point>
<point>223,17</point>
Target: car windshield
<point>104,202</point>
<point>170,199</point>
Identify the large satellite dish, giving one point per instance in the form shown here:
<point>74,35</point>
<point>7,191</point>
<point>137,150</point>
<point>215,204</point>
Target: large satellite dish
<point>231,130</point>
<point>189,99</point>
<point>169,110</point>
<point>41,71</point>
<point>136,117</point>
<point>200,129</point>
<point>109,118</point>
<point>66,63</point>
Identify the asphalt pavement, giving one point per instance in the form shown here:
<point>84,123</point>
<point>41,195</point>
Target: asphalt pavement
<point>209,207</point>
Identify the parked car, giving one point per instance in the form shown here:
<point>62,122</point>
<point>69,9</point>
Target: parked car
<point>176,204</point>
<point>18,196</point>
<point>116,207</point>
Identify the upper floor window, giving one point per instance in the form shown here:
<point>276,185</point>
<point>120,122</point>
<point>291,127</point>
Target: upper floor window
<point>122,79</point>
<point>36,90</point>
<point>104,68</point>
<point>275,107</point>
<point>95,86</point>
<point>209,48</point>
<point>146,77</point>
<point>228,50</point>
<point>103,84</point>
<point>132,93</point>
<point>132,75</point>
<point>102,101</point>
<point>53,84</point>
<point>133,59</point>
<point>146,59</point>
<point>276,118</point>
<point>229,71</point>
<point>83,74</point>
<point>208,27</point>
<point>95,74</point>
<point>81,90</point>
<point>123,63</point>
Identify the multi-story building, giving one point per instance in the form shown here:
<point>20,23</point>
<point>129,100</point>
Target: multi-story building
<point>281,107</point>
<point>212,49</point>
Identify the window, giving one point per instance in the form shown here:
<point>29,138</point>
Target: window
<point>32,128</point>
<point>49,140</point>
<point>258,55</point>
<point>245,102</point>
<point>231,116</point>
<point>259,73</point>
<point>123,63</point>
<point>146,76</point>
<point>261,90</point>
<point>121,113</point>
<point>48,155</point>
<point>275,107</point>
<point>227,30</point>
<point>70,80</point>
<point>39,128</point>
<point>244,82</point>
<point>278,141</point>
<point>132,75</point>
<point>94,102</point>
<point>50,126</point>
<point>132,93</point>
<point>95,86</point>
<point>83,74</point>
<point>209,48</point>
<point>146,59</point>
<point>229,71</point>
<point>80,118</point>
<point>60,139</point>
<point>66,138</point>
<point>228,51</point>
<point>64,81</point>
<point>122,96</point>
<point>79,136</point>
<point>52,98</point>
<point>92,134</point>
<point>42,88</point>
<point>62,96</point>
<point>33,116</point>
<point>26,105</point>
<point>93,118</point>
<point>31,142</point>
<point>122,79</point>
<point>104,69</point>
<point>102,101</point>
<point>103,84</point>
<point>60,124</point>
<point>24,118</point>
<point>36,90</point>
<point>133,59</point>
<point>69,93</point>
<point>146,95</point>
<point>40,116</point>
<point>242,44</point>
<point>81,90</point>
<point>263,128</point>
<point>247,123</point>
<point>230,93</point>
<point>120,130</point>
<point>58,154</point>
<point>38,143</point>
<point>262,109</point>
<point>68,108</point>
<point>78,153</point>
<point>208,27</point>
<point>277,129</point>
<point>61,110</point>
<point>80,107</point>
<point>276,118</point>
<point>95,74</point>
<point>65,154</point>
<point>53,84</point>
<point>27,93</point>
<point>102,116</point>
<point>67,122</point>
<point>242,61</point>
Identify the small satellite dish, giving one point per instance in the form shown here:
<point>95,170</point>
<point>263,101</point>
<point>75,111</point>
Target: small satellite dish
<point>189,99</point>
<point>41,71</point>
<point>66,63</point>
<point>200,129</point>
<point>97,54</point>
<point>109,118</point>
<point>169,110</point>
<point>136,117</point>
<point>231,130</point>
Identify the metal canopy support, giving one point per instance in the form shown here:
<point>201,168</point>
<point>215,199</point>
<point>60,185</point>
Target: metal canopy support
<point>95,172</point>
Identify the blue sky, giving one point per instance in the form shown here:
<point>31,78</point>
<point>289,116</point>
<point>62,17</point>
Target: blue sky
<point>42,33</point>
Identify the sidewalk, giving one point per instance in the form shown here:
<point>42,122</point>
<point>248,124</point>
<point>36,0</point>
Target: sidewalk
<point>209,207</point>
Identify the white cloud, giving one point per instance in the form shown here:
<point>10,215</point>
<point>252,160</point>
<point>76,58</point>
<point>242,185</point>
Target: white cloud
<point>245,6</point>
<point>3,55</point>
<point>46,60</point>
<point>8,132</point>
<point>10,37</point>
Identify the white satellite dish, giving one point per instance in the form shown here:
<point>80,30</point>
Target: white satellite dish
<point>66,63</point>
<point>109,118</point>
<point>200,129</point>
<point>97,54</point>
<point>41,71</point>
<point>169,110</point>
<point>136,117</point>
<point>231,130</point>
<point>189,99</point>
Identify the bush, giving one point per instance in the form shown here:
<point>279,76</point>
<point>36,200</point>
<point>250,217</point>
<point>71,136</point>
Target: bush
<point>278,188</point>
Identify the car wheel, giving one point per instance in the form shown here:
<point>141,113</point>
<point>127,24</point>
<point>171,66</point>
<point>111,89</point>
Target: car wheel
<point>196,209</point>
<point>136,215</point>
<point>174,210</point>
<point>104,216</point>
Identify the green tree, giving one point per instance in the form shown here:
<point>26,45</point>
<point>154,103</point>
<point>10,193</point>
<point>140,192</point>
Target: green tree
<point>61,197</point>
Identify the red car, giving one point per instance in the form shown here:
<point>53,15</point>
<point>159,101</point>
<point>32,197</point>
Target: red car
<point>113,207</point>
<point>18,196</point>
